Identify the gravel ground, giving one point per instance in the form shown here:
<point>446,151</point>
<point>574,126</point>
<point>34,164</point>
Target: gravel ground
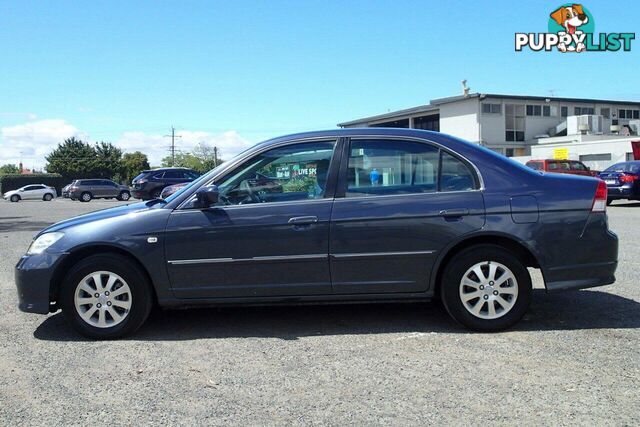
<point>574,359</point>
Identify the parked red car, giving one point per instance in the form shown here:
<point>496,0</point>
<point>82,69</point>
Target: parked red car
<point>573,167</point>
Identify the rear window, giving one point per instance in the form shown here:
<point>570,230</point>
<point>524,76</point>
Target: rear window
<point>535,165</point>
<point>624,167</point>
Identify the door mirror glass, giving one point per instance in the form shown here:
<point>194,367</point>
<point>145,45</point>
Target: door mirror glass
<point>207,196</point>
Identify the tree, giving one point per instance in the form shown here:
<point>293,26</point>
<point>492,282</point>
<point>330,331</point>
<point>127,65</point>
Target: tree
<point>72,159</point>
<point>202,159</point>
<point>9,169</point>
<point>209,156</point>
<point>108,162</point>
<point>132,165</point>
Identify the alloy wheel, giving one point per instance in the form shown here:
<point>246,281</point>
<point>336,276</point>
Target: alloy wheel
<point>488,290</point>
<point>103,299</point>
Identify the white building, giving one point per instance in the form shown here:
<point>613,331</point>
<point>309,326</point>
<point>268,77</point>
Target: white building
<point>522,125</point>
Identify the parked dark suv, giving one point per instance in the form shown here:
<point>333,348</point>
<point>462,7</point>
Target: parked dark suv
<point>87,189</point>
<point>344,215</point>
<point>150,183</point>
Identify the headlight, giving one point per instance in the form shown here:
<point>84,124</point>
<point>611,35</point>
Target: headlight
<point>43,242</point>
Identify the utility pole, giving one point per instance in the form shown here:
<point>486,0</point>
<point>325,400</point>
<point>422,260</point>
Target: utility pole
<point>215,157</point>
<point>173,144</point>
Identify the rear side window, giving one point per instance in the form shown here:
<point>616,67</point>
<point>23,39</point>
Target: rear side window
<point>384,167</point>
<point>624,167</point>
<point>535,165</point>
<point>577,166</point>
<point>173,174</point>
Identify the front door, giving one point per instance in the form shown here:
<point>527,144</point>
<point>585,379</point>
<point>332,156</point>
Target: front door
<point>398,204</point>
<point>267,236</point>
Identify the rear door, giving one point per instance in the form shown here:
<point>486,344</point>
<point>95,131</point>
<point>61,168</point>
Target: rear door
<point>398,203</point>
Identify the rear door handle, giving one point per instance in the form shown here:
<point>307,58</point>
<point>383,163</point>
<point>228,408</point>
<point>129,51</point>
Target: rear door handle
<point>303,220</point>
<point>454,212</point>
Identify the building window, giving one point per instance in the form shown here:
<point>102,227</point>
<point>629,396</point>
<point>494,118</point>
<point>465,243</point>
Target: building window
<point>548,111</point>
<point>534,110</point>
<point>628,114</point>
<point>595,157</point>
<point>404,123</point>
<point>580,111</point>
<point>629,157</point>
<point>509,152</point>
<point>564,111</point>
<point>514,122</point>
<point>491,108</point>
<point>605,112</point>
<point>431,122</point>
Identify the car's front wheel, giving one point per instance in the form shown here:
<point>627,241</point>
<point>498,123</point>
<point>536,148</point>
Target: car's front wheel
<point>15,198</point>
<point>486,288</point>
<point>106,296</point>
<point>86,197</point>
<point>47,197</point>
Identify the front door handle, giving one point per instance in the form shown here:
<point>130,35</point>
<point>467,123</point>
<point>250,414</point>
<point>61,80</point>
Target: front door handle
<point>303,220</point>
<point>454,212</point>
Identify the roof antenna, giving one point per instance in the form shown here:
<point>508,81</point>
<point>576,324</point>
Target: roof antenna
<point>465,89</point>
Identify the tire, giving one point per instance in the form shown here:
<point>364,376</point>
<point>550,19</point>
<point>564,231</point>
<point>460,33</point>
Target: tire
<point>47,197</point>
<point>510,300</point>
<point>133,303</point>
<point>86,197</point>
<point>609,201</point>
<point>124,196</point>
<point>15,198</point>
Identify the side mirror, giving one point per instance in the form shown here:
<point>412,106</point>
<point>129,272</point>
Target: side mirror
<point>207,196</point>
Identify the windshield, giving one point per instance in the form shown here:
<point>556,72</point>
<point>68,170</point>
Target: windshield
<point>197,182</point>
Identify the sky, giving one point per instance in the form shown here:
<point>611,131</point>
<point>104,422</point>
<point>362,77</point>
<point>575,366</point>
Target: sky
<point>231,74</point>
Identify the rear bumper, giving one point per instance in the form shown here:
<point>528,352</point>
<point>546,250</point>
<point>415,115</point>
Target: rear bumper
<point>621,193</point>
<point>582,276</point>
<point>33,276</point>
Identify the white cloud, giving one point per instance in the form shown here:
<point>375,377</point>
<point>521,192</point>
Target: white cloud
<point>32,141</point>
<point>157,146</point>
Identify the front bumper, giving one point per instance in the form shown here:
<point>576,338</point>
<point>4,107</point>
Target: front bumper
<point>34,276</point>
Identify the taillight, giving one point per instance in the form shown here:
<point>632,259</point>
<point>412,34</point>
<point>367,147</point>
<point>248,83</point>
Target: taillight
<point>600,199</point>
<point>628,178</point>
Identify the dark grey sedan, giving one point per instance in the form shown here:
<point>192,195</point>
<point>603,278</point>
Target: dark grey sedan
<point>344,215</point>
<point>87,189</point>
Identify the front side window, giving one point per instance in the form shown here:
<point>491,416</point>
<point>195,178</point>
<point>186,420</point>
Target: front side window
<point>576,166</point>
<point>386,167</point>
<point>290,173</point>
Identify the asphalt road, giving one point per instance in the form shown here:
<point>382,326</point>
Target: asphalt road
<point>574,359</point>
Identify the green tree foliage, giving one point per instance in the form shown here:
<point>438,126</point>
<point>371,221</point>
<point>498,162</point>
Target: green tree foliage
<point>132,165</point>
<point>202,159</point>
<point>72,159</point>
<point>108,161</point>
<point>9,169</point>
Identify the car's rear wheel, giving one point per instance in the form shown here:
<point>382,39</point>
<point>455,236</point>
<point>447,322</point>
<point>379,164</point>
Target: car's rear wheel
<point>47,197</point>
<point>486,288</point>
<point>124,196</point>
<point>86,197</point>
<point>106,296</point>
<point>609,201</point>
<point>15,198</point>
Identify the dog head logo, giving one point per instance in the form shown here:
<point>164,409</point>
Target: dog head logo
<point>570,17</point>
<point>571,22</point>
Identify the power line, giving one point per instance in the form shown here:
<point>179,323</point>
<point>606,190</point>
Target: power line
<point>173,144</point>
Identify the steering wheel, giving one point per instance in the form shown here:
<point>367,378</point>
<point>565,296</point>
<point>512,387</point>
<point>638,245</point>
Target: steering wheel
<point>252,196</point>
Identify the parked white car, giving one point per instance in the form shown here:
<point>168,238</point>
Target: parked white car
<point>31,192</point>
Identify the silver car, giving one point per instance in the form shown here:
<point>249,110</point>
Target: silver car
<point>31,192</point>
<point>87,189</point>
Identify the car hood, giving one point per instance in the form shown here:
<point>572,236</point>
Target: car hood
<point>10,193</point>
<point>101,215</point>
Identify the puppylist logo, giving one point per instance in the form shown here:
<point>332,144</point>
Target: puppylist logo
<point>571,29</point>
